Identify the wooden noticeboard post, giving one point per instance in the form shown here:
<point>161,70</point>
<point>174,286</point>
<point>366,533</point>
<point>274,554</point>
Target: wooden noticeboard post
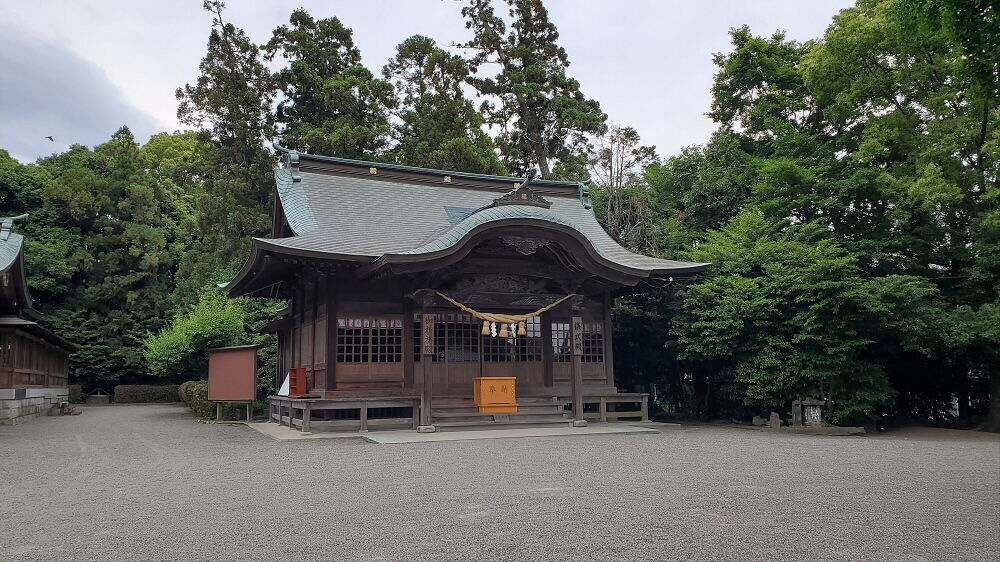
<point>426,350</point>
<point>232,376</point>
<point>577,378</point>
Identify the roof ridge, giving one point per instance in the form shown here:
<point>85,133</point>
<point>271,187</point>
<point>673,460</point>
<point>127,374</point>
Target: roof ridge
<point>295,157</point>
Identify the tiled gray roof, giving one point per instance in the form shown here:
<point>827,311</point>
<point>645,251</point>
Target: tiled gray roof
<point>364,218</point>
<point>10,248</point>
<point>295,203</point>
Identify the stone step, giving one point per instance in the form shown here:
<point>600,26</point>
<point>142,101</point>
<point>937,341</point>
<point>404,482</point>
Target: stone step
<point>513,415</point>
<point>522,409</point>
<point>520,400</point>
<point>513,422</point>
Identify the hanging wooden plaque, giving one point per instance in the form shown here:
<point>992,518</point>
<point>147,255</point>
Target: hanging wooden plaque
<point>427,334</point>
<point>577,336</point>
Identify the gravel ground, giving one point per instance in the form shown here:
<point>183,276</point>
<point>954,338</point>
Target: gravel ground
<point>148,482</point>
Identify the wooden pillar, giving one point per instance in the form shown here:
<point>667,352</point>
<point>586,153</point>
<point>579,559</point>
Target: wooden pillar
<point>315,318</point>
<point>427,388</point>
<point>363,416</point>
<point>409,380</point>
<point>331,335</point>
<point>577,378</point>
<point>609,348</point>
<point>296,355</point>
<point>306,416</point>
<point>548,379</point>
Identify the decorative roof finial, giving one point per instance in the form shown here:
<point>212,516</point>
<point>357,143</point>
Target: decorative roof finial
<point>291,161</point>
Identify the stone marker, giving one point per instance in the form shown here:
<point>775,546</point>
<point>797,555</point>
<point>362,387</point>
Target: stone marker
<point>759,421</point>
<point>796,413</point>
<point>775,420</point>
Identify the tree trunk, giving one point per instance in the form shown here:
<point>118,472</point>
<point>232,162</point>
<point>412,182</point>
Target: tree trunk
<point>543,164</point>
<point>993,419</point>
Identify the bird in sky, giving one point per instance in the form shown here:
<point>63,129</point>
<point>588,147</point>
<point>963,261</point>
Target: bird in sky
<point>50,138</point>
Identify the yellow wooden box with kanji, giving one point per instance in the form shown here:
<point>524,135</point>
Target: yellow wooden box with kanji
<point>495,395</point>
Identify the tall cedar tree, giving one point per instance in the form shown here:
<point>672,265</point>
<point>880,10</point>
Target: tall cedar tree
<point>439,126</point>
<point>332,104</point>
<point>229,104</point>
<point>537,106</point>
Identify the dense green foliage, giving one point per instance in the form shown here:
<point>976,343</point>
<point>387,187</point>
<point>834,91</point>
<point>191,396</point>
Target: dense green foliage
<point>848,202</point>
<point>145,393</point>
<point>180,351</point>
<point>848,205</point>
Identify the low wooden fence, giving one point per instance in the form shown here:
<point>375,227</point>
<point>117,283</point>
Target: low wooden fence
<point>372,413</point>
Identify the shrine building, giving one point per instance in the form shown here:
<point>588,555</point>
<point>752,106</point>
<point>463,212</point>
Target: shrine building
<point>438,299</point>
<point>34,362</point>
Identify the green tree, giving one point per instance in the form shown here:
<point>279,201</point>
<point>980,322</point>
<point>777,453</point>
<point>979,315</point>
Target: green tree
<point>20,186</point>
<point>179,352</point>
<point>331,103</point>
<point>439,126</point>
<point>537,106</point>
<point>101,254</point>
<point>783,314</point>
<point>229,105</point>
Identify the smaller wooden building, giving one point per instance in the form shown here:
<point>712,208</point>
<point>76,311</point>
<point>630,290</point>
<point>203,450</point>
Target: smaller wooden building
<point>34,362</point>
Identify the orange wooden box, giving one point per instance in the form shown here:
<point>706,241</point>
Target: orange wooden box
<point>495,395</point>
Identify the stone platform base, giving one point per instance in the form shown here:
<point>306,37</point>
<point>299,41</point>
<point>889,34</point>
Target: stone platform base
<point>18,405</point>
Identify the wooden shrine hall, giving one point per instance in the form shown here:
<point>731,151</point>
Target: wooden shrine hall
<point>34,362</point>
<point>438,299</point>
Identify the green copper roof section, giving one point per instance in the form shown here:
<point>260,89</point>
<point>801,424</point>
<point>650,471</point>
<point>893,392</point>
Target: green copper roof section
<point>10,248</point>
<point>484,217</point>
<point>295,202</point>
<point>10,242</point>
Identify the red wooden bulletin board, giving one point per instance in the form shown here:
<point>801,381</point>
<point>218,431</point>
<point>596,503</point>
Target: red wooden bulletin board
<point>232,374</point>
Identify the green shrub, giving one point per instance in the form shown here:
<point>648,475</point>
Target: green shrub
<point>182,391</point>
<point>181,349</point>
<point>76,394</point>
<point>195,395</point>
<point>141,393</point>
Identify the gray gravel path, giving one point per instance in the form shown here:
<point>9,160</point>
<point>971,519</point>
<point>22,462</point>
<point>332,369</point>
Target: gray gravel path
<point>148,482</point>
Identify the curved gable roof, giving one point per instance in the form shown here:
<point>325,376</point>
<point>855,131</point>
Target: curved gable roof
<point>370,212</point>
<point>12,265</point>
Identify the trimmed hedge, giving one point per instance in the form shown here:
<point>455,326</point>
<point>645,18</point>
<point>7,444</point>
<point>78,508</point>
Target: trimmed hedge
<point>195,395</point>
<point>141,393</point>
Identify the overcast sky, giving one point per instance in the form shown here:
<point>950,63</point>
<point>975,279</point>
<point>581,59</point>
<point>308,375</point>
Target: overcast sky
<point>79,70</point>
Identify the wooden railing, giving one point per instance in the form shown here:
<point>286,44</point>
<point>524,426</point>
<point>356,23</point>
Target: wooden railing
<point>298,413</point>
<point>604,414</point>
